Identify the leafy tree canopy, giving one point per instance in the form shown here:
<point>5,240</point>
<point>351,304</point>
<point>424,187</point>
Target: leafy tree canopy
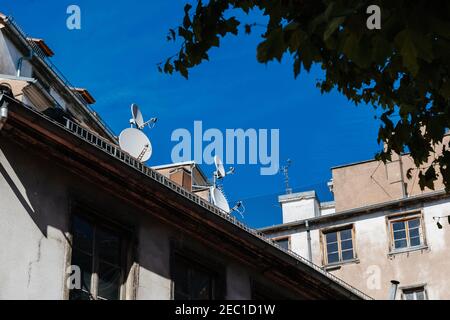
<point>402,68</point>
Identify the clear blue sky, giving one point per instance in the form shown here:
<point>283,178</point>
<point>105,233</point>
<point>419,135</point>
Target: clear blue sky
<point>115,53</point>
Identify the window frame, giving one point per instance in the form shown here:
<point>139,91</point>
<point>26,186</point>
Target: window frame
<point>414,289</point>
<point>324,244</point>
<point>97,221</point>
<point>405,217</point>
<point>288,238</point>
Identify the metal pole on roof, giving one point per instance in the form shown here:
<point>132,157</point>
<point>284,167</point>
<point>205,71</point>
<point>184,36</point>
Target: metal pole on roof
<point>285,172</point>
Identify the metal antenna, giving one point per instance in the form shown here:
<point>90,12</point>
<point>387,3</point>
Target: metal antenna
<point>285,172</point>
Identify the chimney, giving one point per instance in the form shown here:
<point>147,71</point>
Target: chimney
<point>183,177</point>
<point>299,206</point>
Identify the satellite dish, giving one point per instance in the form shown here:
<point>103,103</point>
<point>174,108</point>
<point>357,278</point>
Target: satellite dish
<point>138,118</point>
<point>136,143</point>
<point>220,169</point>
<point>219,200</point>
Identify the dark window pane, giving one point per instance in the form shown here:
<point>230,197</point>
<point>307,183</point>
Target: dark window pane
<point>409,296</point>
<point>84,262</point>
<point>331,237</point>
<point>414,223</point>
<point>108,246</point>
<point>348,244</point>
<point>284,243</point>
<point>79,295</point>
<point>420,295</point>
<point>398,235</point>
<point>399,226</point>
<point>181,279</point>
<point>108,282</point>
<point>415,241</point>
<point>347,255</point>
<point>333,257</point>
<point>346,234</point>
<point>201,285</point>
<point>400,244</point>
<point>332,247</point>
<point>83,235</point>
<point>414,233</point>
<point>191,281</point>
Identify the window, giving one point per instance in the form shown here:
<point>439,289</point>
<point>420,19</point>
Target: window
<point>194,281</point>
<point>418,293</point>
<point>283,242</point>
<point>339,245</point>
<point>97,251</point>
<point>406,232</point>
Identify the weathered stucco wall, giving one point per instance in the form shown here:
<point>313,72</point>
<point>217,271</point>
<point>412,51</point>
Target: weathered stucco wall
<point>376,267</point>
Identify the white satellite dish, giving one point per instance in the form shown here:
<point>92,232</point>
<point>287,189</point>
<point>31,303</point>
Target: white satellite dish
<point>136,143</point>
<point>138,118</point>
<point>219,200</point>
<point>220,169</point>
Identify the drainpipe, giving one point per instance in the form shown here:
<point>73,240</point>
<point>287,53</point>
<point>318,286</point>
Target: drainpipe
<point>20,62</point>
<point>3,114</point>
<point>308,238</point>
<point>404,191</point>
<point>393,290</point>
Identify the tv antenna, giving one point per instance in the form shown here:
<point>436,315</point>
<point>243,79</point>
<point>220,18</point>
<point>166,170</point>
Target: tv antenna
<point>285,172</point>
<point>217,196</point>
<point>133,140</point>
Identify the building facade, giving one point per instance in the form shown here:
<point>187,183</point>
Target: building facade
<point>82,219</point>
<point>381,227</point>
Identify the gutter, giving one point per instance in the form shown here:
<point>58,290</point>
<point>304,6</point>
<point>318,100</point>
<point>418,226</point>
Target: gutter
<point>308,238</point>
<point>3,112</point>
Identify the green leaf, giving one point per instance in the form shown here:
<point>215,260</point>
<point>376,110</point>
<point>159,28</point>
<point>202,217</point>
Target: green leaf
<point>272,48</point>
<point>332,27</point>
<point>405,42</point>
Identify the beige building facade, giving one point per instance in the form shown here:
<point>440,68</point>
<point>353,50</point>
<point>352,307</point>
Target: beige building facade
<point>381,227</point>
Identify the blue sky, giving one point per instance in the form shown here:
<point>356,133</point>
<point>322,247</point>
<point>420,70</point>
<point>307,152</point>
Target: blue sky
<point>115,54</point>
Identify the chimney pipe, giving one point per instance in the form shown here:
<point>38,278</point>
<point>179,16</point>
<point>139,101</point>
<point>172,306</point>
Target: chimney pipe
<point>3,114</point>
<point>393,289</point>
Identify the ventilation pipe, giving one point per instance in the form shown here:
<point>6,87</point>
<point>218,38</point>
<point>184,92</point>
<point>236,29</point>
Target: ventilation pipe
<point>20,62</point>
<point>3,114</point>
<point>393,289</point>
<point>308,238</point>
